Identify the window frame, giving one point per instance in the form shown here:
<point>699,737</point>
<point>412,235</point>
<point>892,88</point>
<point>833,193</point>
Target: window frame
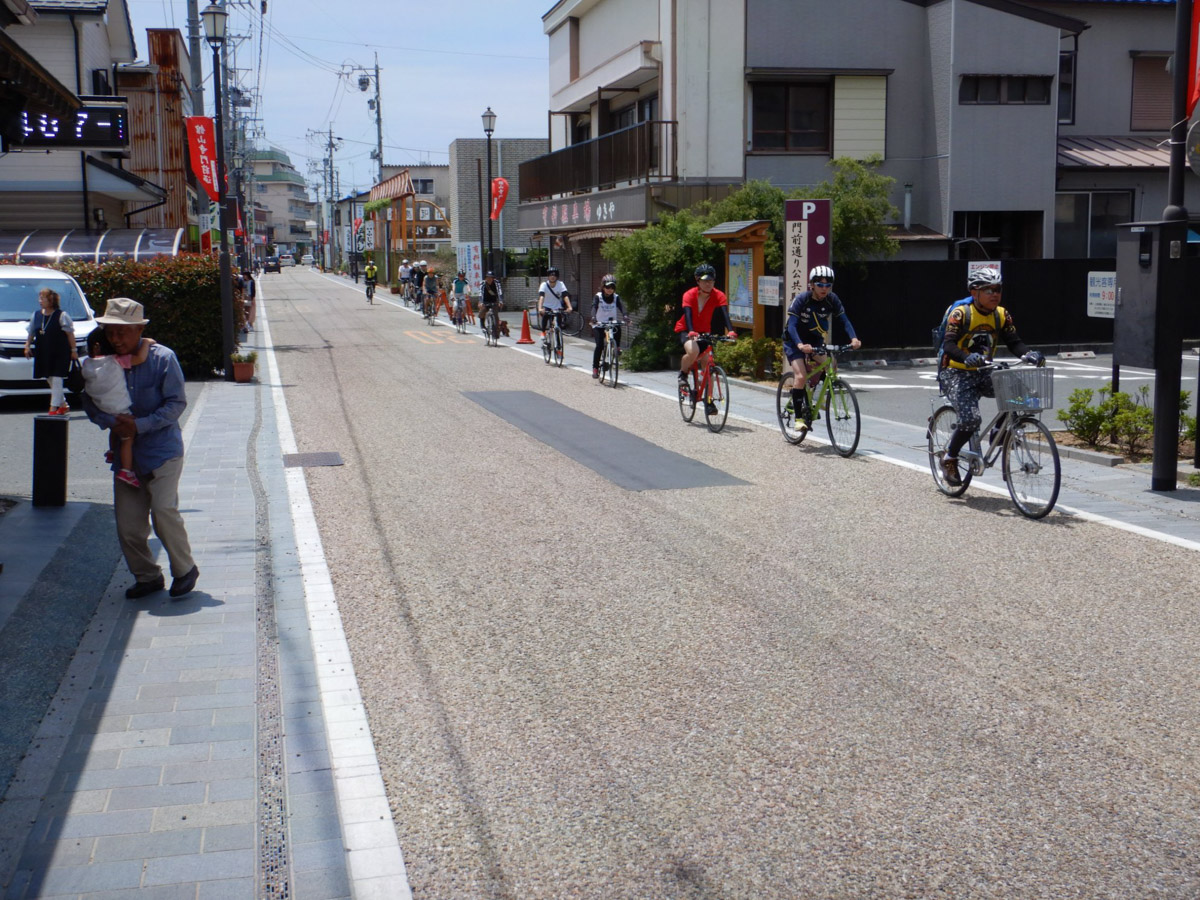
<point>1006,86</point>
<point>1091,195</point>
<point>1067,82</point>
<point>1142,60</point>
<point>824,82</point>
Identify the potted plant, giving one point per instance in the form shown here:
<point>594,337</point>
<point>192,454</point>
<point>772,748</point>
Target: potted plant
<point>243,366</point>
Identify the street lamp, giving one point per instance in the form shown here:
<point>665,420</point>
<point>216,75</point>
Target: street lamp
<point>215,20</point>
<point>489,125</point>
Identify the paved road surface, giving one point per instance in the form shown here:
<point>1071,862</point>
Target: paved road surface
<point>823,680</point>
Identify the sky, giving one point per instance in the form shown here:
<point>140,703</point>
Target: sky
<point>440,66</point>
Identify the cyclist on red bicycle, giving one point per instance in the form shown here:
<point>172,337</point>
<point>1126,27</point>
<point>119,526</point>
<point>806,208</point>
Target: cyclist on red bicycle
<point>705,311</point>
<point>805,335</point>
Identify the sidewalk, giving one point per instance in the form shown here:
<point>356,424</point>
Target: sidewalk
<point>197,748</point>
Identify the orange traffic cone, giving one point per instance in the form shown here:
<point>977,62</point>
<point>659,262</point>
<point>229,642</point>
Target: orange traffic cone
<point>525,338</point>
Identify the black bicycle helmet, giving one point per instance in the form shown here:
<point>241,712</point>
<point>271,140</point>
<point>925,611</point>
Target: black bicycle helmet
<point>553,270</point>
<point>704,270</point>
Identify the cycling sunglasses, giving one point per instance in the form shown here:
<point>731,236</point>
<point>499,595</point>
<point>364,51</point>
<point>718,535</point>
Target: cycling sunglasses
<point>822,284</point>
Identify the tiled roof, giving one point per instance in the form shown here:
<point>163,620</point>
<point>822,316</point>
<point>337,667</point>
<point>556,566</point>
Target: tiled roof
<point>1113,153</point>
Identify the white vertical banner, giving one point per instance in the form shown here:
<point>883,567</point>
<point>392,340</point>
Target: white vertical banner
<point>369,233</point>
<point>470,260</point>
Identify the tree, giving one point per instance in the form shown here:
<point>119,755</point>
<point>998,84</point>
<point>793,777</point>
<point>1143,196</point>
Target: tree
<point>654,266</point>
<point>861,209</point>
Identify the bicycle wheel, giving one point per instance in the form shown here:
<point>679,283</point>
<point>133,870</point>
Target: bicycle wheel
<point>547,347</point>
<point>941,429</point>
<point>841,417</point>
<point>1031,467</point>
<point>789,421</point>
<point>558,347</point>
<point>370,294</point>
<point>614,352</point>
<point>716,403</point>
<point>572,323</point>
<point>687,397</point>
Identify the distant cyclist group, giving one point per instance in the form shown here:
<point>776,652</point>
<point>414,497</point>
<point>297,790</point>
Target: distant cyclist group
<point>810,385</point>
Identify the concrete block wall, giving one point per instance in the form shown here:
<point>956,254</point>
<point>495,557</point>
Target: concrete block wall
<point>507,156</point>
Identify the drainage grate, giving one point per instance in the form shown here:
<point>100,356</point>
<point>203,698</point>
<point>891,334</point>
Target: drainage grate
<point>305,460</point>
<point>274,862</point>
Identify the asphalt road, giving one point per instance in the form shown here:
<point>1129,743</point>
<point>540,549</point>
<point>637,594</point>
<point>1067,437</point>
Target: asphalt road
<point>823,681</point>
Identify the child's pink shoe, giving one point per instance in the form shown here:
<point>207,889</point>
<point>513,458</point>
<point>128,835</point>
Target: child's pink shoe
<point>127,476</point>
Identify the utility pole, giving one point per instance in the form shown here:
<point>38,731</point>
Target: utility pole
<point>193,26</point>
<point>387,238</point>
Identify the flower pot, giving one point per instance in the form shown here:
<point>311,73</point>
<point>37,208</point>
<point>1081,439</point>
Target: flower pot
<point>243,371</point>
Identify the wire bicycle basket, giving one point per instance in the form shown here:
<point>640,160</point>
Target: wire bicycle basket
<point>1024,390</point>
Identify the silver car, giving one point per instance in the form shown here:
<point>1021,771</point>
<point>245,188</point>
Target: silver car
<point>19,287</point>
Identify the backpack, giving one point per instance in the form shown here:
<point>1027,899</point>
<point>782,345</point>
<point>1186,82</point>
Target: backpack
<point>939,333</point>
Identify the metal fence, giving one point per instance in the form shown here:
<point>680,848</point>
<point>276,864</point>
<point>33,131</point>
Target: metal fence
<point>639,153</point>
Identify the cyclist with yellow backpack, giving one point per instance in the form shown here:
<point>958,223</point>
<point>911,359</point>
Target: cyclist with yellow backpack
<point>973,327</point>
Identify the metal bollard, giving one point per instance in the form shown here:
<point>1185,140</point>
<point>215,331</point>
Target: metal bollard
<point>50,460</point>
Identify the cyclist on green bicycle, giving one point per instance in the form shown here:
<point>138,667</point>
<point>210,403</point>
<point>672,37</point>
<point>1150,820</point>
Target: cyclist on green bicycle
<point>370,275</point>
<point>705,311</point>
<point>805,337</point>
<point>970,344</point>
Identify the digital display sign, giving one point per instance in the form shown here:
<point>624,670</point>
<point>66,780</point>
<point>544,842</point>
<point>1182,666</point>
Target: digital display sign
<point>90,127</point>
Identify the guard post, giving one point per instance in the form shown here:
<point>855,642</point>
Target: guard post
<point>50,460</point>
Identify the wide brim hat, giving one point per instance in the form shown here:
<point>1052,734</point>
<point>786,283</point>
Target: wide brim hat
<point>123,311</point>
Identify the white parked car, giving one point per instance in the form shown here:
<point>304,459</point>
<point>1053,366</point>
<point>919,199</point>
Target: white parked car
<point>19,287</point>
<point>286,259</point>
<point>306,259</point>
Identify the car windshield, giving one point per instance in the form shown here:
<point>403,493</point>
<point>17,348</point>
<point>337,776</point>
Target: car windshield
<point>19,298</point>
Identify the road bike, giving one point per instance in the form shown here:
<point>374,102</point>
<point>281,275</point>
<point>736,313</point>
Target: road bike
<point>572,323</point>
<point>610,356</point>
<point>491,325</point>
<point>707,382</point>
<point>429,308</point>
<point>1016,436</point>
<point>406,292</point>
<point>832,394</point>
<point>552,340</point>
<point>370,292</point>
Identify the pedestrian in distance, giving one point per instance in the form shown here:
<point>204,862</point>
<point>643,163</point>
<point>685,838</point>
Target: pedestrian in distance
<point>157,400</point>
<point>51,345</point>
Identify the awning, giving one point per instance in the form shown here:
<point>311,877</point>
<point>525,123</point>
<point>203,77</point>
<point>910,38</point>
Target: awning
<point>121,185</point>
<point>1119,152</point>
<point>598,234</point>
<point>25,83</point>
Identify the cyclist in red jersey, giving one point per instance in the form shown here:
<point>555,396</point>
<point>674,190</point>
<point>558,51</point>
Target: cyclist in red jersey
<point>705,311</point>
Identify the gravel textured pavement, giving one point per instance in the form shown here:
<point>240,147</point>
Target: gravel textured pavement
<point>827,682</point>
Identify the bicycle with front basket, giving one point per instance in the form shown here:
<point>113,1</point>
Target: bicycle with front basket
<point>1016,437</point>
<point>707,381</point>
<point>833,395</point>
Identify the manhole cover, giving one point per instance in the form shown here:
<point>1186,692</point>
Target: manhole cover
<point>306,460</point>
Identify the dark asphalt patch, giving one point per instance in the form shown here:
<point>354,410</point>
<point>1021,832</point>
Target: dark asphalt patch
<point>624,459</point>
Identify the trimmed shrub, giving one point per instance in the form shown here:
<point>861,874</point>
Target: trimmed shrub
<point>182,297</point>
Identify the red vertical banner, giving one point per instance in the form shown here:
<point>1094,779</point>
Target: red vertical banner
<point>500,194</point>
<point>202,141</point>
<point>1194,71</point>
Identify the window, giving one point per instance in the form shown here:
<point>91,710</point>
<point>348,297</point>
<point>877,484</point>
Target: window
<point>1085,223</point>
<point>1066,87</point>
<point>1006,89</point>
<point>791,117</point>
<point>1150,109</point>
<point>423,185</point>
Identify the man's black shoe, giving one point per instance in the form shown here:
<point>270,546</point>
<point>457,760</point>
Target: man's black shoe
<point>184,583</point>
<point>144,589</point>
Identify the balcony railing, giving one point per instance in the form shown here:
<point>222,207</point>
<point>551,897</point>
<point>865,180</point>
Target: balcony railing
<point>637,154</point>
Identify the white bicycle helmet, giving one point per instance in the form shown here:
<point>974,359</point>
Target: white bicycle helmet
<point>983,276</point>
<point>820,273</point>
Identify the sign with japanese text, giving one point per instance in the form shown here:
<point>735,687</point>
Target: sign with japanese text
<point>625,206</point>
<point>202,142</point>
<point>1102,295</point>
<point>769,290</point>
<point>470,260</point>
<point>808,228</point>
<point>499,195</point>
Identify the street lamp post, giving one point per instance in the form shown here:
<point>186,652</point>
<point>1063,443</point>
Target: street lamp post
<point>215,19</point>
<point>489,125</point>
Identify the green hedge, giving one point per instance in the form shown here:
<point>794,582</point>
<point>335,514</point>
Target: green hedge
<point>182,297</point>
